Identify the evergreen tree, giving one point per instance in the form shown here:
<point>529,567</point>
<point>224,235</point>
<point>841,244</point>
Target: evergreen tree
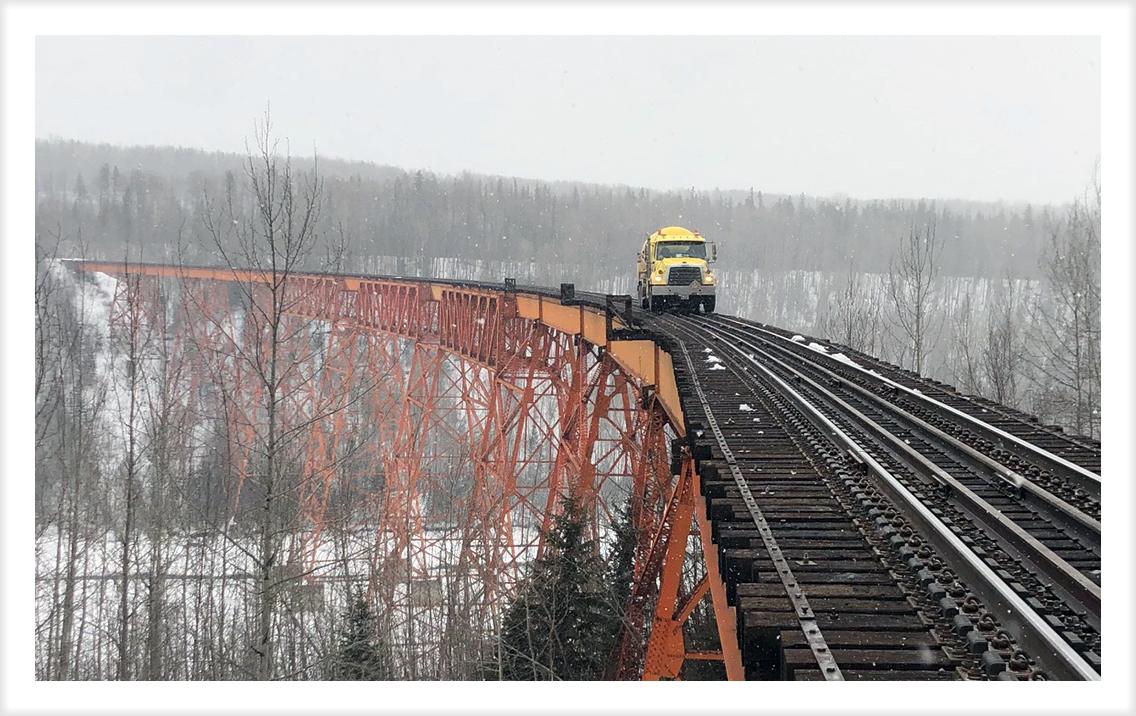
<point>561,626</point>
<point>621,559</point>
<point>362,653</point>
<point>621,582</point>
<point>702,635</point>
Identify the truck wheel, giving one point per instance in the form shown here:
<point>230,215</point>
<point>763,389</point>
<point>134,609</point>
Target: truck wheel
<point>708,304</point>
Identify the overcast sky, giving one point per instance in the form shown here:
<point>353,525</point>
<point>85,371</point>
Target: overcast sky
<point>1014,118</point>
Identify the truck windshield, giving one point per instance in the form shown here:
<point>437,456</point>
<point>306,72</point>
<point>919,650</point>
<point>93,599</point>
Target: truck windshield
<point>680,250</point>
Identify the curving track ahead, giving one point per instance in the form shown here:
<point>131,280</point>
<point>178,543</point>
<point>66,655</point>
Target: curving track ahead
<point>870,528</point>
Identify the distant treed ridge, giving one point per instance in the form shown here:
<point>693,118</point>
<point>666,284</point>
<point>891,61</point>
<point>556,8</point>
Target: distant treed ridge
<point>147,195</point>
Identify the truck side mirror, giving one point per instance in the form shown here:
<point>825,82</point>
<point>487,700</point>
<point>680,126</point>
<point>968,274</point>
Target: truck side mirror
<point>713,252</point>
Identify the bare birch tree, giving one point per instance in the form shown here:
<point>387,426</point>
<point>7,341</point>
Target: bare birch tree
<point>71,450</point>
<point>48,378</point>
<point>274,237</point>
<point>912,276</point>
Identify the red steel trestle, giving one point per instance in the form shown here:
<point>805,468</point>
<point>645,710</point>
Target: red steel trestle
<point>447,427</point>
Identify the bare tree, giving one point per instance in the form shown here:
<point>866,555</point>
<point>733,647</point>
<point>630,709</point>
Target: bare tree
<point>1066,317</point>
<point>1003,357</point>
<point>965,356</point>
<point>72,451</point>
<point>273,237</point>
<point>48,378</point>
<point>913,272</point>
<point>854,318</point>
<point>170,445</point>
<point>133,331</point>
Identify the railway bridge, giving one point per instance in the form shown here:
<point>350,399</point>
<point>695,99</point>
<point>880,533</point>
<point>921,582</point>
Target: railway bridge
<point>847,520</point>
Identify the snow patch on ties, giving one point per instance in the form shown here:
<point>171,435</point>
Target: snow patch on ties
<point>745,408</point>
<point>845,359</point>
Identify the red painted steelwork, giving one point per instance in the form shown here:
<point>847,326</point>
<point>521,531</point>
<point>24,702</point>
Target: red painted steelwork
<point>457,416</point>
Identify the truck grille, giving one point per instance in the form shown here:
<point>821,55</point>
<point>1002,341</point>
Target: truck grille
<point>683,275</point>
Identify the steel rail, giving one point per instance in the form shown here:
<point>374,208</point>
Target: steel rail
<point>804,613</point>
<point>998,470</point>
<point>1069,578</point>
<point>1033,630</point>
<point>1062,573</point>
<point>1085,479</point>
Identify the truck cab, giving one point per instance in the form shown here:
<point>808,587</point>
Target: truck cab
<point>673,271</point>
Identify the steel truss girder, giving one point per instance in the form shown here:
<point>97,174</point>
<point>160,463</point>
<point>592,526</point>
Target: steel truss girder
<point>421,398</point>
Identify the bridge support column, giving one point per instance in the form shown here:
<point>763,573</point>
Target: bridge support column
<point>666,647</point>
<point>724,614</point>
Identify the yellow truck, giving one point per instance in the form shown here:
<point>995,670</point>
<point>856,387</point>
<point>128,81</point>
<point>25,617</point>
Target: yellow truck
<point>674,271</point>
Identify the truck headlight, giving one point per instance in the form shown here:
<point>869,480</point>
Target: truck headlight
<point>657,278</point>
<point>709,277</point>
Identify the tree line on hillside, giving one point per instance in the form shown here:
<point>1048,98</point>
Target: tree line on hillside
<point>154,198</point>
<point>1009,309</point>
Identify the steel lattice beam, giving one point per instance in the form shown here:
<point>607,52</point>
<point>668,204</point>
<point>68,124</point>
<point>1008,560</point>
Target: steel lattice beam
<point>459,415</point>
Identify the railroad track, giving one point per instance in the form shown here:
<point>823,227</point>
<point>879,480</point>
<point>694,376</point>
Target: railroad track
<point>1079,450</point>
<point>1075,512</point>
<point>925,560</point>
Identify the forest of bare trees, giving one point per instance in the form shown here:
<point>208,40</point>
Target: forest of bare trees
<point>165,506</point>
<point>1066,318</point>
<point>166,525</point>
